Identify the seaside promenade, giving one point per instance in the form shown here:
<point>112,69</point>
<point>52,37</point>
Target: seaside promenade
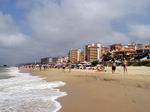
<point>93,91</point>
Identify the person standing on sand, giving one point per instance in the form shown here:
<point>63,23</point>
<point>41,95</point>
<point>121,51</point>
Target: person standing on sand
<point>63,67</point>
<point>70,66</point>
<point>113,67</point>
<point>125,63</point>
<point>40,66</point>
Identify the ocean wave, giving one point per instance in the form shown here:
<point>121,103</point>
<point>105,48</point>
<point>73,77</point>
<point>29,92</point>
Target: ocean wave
<point>26,93</point>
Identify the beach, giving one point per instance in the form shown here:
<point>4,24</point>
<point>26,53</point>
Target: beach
<point>93,91</point>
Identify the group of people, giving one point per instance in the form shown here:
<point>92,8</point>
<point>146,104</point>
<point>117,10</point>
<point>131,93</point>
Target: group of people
<point>36,66</point>
<point>124,64</point>
<point>40,67</point>
<point>69,66</point>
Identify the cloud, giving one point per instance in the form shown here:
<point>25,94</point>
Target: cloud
<point>140,31</point>
<point>10,35</point>
<point>12,40</point>
<point>7,24</point>
<point>73,20</point>
<point>58,25</point>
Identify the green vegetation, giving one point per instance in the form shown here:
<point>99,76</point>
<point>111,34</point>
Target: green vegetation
<point>140,63</point>
<point>94,63</point>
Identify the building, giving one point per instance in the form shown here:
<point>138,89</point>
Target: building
<point>92,52</point>
<point>55,60</point>
<point>50,60</point>
<point>123,52</point>
<point>116,47</point>
<point>46,60</point>
<point>62,60</point>
<point>105,50</point>
<point>147,46</point>
<point>75,55</point>
<point>82,56</point>
<point>135,46</point>
<point>120,50</point>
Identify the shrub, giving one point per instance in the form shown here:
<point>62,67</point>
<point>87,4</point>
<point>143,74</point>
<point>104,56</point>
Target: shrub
<point>141,63</point>
<point>94,63</point>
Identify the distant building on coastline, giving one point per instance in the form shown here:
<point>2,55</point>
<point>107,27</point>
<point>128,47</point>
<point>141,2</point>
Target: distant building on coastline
<point>47,60</point>
<point>92,52</point>
<point>63,59</point>
<point>119,50</point>
<point>147,46</point>
<point>105,50</point>
<point>75,55</point>
<point>139,46</point>
<point>82,57</point>
<point>53,60</point>
<point>116,47</point>
<point>96,51</point>
<point>144,50</point>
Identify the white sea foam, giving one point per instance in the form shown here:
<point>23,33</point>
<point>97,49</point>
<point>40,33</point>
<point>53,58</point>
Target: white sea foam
<point>26,93</point>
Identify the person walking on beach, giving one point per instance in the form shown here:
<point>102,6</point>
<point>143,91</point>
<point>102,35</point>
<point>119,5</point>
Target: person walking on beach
<point>69,66</point>
<point>40,67</point>
<point>113,66</point>
<point>125,63</point>
<point>63,67</point>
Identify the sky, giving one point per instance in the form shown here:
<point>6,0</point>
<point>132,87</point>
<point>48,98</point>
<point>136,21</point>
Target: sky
<point>32,29</point>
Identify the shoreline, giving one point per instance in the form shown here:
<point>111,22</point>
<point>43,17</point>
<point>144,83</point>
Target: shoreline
<point>91,91</point>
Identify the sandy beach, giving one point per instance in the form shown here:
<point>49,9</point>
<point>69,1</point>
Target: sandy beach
<point>92,91</point>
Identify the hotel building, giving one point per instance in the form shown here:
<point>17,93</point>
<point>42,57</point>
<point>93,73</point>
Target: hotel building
<point>75,55</point>
<point>92,52</point>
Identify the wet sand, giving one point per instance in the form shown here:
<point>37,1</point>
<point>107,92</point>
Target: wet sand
<point>92,91</point>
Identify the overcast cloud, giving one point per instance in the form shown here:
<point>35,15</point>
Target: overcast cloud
<point>31,29</point>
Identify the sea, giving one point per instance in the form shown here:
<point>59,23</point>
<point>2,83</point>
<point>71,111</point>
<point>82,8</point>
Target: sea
<point>22,92</point>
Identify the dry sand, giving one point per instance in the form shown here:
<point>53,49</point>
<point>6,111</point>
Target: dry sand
<point>92,91</point>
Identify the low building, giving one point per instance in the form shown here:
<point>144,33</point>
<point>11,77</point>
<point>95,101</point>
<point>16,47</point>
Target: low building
<point>46,60</point>
<point>139,46</point>
<point>147,46</point>
<point>116,47</point>
<point>126,51</point>
<point>120,50</point>
<point>63,59</point>
<point>50,60</point>
<point>145,50</point>
<point>105,50</point>
<point>55,60</point>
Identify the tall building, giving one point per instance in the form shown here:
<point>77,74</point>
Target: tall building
<point>75,55</point>
<point>82,56</point>
<point>93,52</point>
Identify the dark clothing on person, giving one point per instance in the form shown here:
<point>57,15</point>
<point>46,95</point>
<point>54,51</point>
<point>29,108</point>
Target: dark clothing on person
<point>113,67</point>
